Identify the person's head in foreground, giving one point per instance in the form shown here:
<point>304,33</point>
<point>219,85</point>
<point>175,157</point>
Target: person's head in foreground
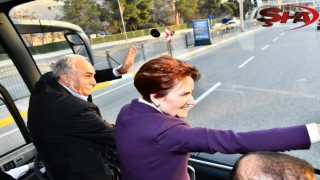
<point>167,83</point>
<point>75,72</point>
<point>271,166</point>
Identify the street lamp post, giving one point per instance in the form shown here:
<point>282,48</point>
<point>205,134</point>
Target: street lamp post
<point>124,27</point>
<point>241,14</point>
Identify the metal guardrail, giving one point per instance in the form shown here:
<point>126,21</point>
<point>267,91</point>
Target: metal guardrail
<point>146,50</point>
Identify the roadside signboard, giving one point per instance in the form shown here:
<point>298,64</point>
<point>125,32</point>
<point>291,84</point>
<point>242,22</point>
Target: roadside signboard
<point>201,32</point>
<point>211,16</point>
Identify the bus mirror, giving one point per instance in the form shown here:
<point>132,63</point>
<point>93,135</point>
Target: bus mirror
<point>80,44</point>
<point>155,33</point>
<point>74,39</point>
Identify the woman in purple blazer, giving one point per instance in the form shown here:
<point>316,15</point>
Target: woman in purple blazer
<point>153,141</point>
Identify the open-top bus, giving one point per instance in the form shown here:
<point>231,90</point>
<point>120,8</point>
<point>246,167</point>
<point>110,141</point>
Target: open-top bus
<point>252,78</point>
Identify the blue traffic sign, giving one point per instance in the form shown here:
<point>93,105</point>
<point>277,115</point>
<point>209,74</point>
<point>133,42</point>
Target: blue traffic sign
<point>211,16</point>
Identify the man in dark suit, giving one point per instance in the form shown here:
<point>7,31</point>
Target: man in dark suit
<point>66,127</point>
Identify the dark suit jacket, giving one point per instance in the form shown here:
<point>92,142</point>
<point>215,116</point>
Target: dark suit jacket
<point>5,176</point>
<point>68,132</point>
<point>158,145</point>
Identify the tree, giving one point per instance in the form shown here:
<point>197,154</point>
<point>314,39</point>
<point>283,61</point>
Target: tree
<point>247,6</point>
<point>145,11</point>
<point>163,13</point>
<point>229,8</point>
<point>137,13</point>
<point>83,13</point>
<point>235,7</point>
<point>188,9</point>
<point>110,16</point>
<point>208,7</point>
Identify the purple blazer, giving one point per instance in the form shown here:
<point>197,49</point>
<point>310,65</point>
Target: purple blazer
<point>152,145</point>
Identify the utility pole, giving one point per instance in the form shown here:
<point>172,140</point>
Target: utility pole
<point>124,27</point>
<point>241,15</point>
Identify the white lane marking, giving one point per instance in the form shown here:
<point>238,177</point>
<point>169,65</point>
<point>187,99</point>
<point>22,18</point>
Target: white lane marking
<point>281,34</point>
<point>205,94</point>
<point>289,93</point>
<point>96,96</point>
<point>275,39</point>
<point>247,61</point>
<point>9,132</point>
<point>265,47</point>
